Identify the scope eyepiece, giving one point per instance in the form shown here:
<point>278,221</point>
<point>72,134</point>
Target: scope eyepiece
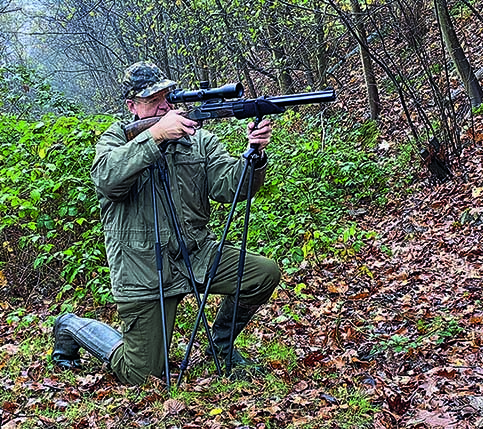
<point>230,90</point>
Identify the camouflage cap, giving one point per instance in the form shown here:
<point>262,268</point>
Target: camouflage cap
<point>143,79</point>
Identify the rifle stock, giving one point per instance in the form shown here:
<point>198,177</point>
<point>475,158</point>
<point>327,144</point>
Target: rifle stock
<point>241,108</point>
<point>137,127</point>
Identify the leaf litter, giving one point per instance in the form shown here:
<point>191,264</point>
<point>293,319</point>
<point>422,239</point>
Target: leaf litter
<point>404,327</point>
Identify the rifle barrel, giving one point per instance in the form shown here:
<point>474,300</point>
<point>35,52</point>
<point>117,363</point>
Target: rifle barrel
<point>240,109</point>
<point>304,98</point>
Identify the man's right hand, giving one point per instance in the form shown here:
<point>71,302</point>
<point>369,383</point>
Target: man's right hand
<point>173,126</point>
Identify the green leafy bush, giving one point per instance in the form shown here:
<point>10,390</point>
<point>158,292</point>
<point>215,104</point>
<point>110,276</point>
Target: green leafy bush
<point>310,187</point>
<point>48,203</point>
<point>49,210</point>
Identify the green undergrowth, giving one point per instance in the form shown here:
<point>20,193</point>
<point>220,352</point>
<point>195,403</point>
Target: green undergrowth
<point>318,173</point>
<point>49,215</point>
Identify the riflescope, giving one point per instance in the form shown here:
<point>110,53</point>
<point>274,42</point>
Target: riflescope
<point>230,90</point>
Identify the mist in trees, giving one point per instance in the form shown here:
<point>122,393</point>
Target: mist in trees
<point>273,47</point>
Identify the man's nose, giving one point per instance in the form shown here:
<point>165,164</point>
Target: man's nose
<point>163,106</point>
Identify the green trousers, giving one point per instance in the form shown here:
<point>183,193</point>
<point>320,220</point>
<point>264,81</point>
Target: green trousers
<point>142,353</point>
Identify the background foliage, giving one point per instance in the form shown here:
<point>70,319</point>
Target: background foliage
<point>48,207</point>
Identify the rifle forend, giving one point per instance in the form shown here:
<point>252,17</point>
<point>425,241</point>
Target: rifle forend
<point>215,106</point>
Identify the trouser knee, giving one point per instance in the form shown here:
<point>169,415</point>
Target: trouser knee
<point>260,277</point>
<point>129,372</point>
<point>142,352</point>
<point>269,279</point>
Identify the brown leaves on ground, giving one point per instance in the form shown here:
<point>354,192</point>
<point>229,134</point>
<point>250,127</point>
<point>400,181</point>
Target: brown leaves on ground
<point>409,320</point>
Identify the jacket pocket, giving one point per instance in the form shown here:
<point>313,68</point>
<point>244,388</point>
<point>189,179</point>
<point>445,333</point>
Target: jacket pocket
<point>193,187</point>
<point>139,267</point>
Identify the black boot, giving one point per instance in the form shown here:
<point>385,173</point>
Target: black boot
<point>222,329</point>
<point>72,332</point>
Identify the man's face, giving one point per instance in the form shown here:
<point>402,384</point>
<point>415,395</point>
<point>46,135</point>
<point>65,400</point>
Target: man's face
<point>154,105</point>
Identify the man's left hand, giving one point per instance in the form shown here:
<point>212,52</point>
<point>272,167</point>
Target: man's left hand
<point>260,135</point>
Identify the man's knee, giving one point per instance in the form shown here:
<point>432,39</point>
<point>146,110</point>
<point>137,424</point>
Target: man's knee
<point>269,273</point>
<point>142,353</point>
<point>273,272</point>
<point>131,371</point>
<point>266,278</point>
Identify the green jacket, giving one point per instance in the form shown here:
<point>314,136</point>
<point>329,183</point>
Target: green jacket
<point>199,168</point>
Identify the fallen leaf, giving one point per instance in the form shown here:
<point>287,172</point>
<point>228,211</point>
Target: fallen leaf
<point>476,319</point>
<point>10,407</point>
<point>10,349</point>
<point>434,419</point>
<point>476,192</point>
<point>173,407</point>
<point>302,385</point>
<point>340,287</point>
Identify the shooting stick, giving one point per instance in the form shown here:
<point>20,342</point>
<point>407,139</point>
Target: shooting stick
<point>159,263</point>
<point>164,179</point>
<point>250,156</point>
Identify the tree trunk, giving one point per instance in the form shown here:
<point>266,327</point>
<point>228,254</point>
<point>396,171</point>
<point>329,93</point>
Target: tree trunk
<point>321,49</point>
<point>234,48</point>
<point>472,86</point>
<point>371,85</point>
<point>279,55</point>
<point>280,59</point>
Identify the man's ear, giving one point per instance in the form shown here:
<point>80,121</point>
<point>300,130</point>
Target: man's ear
<point>131,105</point>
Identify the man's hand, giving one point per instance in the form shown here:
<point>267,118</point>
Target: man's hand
<point>173,126</point>
<point>261,135</point>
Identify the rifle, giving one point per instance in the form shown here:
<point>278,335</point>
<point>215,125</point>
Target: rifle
<point>214,105</point>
